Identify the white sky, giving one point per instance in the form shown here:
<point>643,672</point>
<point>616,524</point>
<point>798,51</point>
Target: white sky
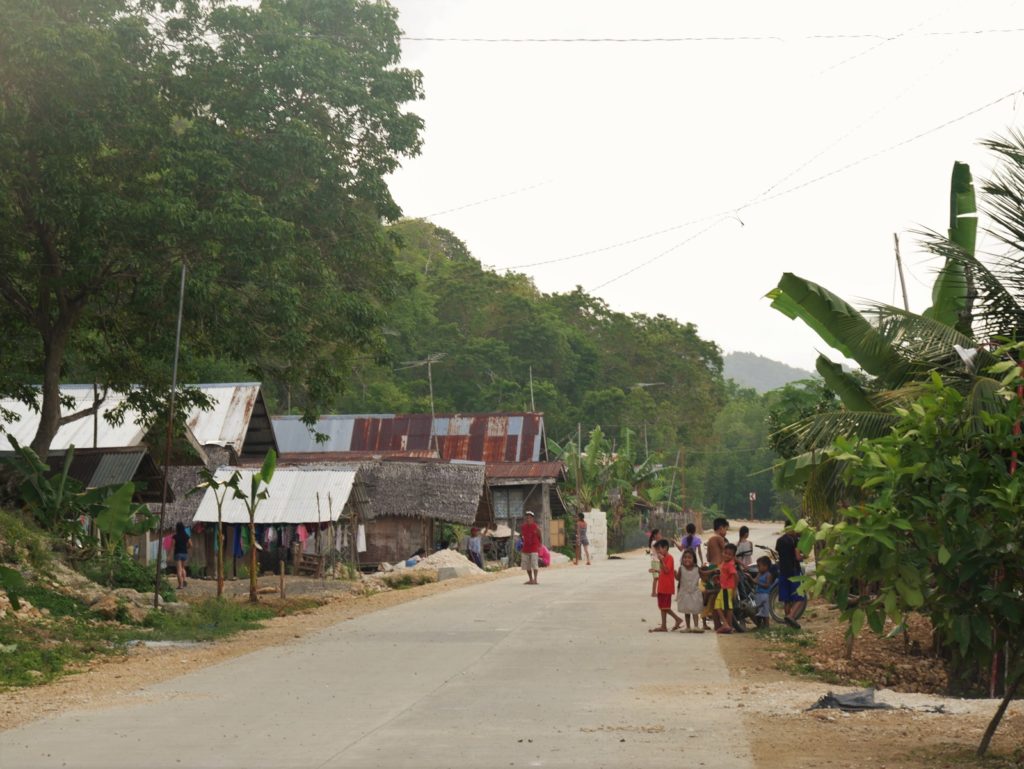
<point>625,139</point>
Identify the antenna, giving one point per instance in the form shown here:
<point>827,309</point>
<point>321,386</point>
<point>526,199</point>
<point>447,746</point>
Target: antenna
<point>429,362</point>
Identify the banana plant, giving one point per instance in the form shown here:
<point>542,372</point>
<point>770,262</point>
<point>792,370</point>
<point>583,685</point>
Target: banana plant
<point>259,490</point>
<point>896,348</point>
<point>220,489</point>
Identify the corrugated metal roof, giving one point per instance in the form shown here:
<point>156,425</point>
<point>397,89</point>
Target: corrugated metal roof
<point>525,470</point>
<point>227,422</point>
<point>498,437</point>
<point>292,497</point>
<point>101,467</point>
<point>224,425</point>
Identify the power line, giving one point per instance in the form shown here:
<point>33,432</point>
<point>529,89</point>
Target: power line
<point>882,37</point>
<point>486,200</point>
<point>809,182</point>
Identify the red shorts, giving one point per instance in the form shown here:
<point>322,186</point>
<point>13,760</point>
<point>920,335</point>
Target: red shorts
<point>664,600</point>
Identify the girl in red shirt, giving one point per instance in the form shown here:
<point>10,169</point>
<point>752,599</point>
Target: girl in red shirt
<point>665,578</point>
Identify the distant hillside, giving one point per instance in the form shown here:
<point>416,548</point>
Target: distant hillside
<point>763,374</point>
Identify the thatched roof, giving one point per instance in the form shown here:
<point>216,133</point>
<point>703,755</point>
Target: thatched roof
<point>180,480</point>
<point>449,492</point>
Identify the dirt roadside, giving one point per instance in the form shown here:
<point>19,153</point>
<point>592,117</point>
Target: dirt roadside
<point>783,733</point>
<point>107,680</point>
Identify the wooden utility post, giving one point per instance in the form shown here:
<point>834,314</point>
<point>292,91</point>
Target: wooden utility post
<point>899,267</point>
<point>753,498</point>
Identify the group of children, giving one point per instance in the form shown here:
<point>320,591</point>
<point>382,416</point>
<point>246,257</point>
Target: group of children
<point>698,599</point>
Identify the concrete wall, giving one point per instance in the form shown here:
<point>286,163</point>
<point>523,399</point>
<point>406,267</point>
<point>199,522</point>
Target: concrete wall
<point>597,533</point>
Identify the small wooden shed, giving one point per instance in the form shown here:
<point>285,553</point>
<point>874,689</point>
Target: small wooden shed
<point>407,499</point>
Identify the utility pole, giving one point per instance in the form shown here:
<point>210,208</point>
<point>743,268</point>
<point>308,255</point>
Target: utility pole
<point>899,267</point>
<point>167,443</point>
<point>533,407</point>
<point>753,498</point>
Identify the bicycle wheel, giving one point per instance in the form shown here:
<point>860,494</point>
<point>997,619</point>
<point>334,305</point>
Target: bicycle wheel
<point>775,607</point>
<point>799,611</point>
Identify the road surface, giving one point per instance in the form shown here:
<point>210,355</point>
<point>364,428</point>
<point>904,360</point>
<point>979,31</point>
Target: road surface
<point>498,674</point>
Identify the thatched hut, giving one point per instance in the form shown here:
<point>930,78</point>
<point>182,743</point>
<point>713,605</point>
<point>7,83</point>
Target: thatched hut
<point>407,499</point>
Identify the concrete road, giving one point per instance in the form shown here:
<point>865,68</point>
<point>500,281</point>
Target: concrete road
<point>499,674</point>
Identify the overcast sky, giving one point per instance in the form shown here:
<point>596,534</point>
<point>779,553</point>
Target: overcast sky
<point>594,144</point>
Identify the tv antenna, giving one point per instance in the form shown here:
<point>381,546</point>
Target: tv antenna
<point>429,362</point>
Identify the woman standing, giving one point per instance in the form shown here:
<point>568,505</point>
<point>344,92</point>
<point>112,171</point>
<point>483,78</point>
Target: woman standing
<point>581,538</point>
<point>182,544</point>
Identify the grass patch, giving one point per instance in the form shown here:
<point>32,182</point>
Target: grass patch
<point>407,579</point>
<point>207,621</point>
<point>120,570</point>
<point>23,543</point>
<point>35,651</point>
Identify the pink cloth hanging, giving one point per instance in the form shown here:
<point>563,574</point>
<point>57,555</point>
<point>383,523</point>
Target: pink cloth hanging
<point>303,534</point>
<point>168,542</point>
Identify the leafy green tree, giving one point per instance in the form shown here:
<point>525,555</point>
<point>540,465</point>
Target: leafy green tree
<point>249,141</point>
<point>937,528</point>
<point>740,459</point>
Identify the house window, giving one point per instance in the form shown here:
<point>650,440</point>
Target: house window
<point>508,502</point>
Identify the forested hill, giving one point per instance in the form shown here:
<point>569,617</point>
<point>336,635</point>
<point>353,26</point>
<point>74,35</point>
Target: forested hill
<point>749,369</point>
<point>591,365</point>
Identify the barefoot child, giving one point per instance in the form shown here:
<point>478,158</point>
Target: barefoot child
<point>690,599</point>
<point>726,598</point>
<point>764,581</point>
<point>665,577</point>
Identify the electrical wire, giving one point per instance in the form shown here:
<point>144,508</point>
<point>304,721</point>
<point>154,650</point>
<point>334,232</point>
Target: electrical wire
<point>883,38</point>
<point>486,200</point>
<point>809,182</point>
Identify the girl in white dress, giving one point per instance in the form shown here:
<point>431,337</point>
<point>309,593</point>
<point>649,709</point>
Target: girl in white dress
<point>689,597</point>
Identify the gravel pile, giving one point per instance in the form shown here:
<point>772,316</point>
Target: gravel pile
<point>444,558</point>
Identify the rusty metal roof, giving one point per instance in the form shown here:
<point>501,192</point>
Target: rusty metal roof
<point>528,471</point>
<point>497,437</point>
<point>305,458</point>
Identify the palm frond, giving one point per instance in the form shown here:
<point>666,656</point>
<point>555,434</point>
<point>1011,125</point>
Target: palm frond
<point>926,342</point>
<point>819,431</point>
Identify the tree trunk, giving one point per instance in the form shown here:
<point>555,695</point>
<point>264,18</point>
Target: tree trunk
<point>220,556</point>
<point>1011,691</point>
<point>54,343</point>
<point>253,597</point>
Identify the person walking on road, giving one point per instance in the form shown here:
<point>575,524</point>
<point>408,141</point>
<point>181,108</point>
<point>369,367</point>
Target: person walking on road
<point>582,543</point>
<point>530,532</point>
<point>182,544</point>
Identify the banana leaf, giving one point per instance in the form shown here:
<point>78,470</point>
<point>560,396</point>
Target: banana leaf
<point>840,326</point>
<point>843,384</point>
<point>952,288</point>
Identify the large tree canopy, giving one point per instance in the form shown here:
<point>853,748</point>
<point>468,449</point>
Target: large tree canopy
<point>590,365</point>
<point>250,143</point>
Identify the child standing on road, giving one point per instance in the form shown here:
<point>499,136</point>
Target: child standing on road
<point>726,598</point>
<point>744,548</point>
<point>665,581</point>
<point>692,542</point>
<point>764,581</point>
<point>690,599</point>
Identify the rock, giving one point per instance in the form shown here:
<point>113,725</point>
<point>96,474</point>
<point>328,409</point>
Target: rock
<point>108,606</point>
<point>452,572</point>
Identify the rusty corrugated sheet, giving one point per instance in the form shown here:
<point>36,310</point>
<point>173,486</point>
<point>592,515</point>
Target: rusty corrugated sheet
<point>525,470</point>
<point>499,437</point>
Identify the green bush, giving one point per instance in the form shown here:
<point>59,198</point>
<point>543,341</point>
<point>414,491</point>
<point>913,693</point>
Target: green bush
<point>408,578</point>
<point>118,569</point>
<point>22,542</point>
